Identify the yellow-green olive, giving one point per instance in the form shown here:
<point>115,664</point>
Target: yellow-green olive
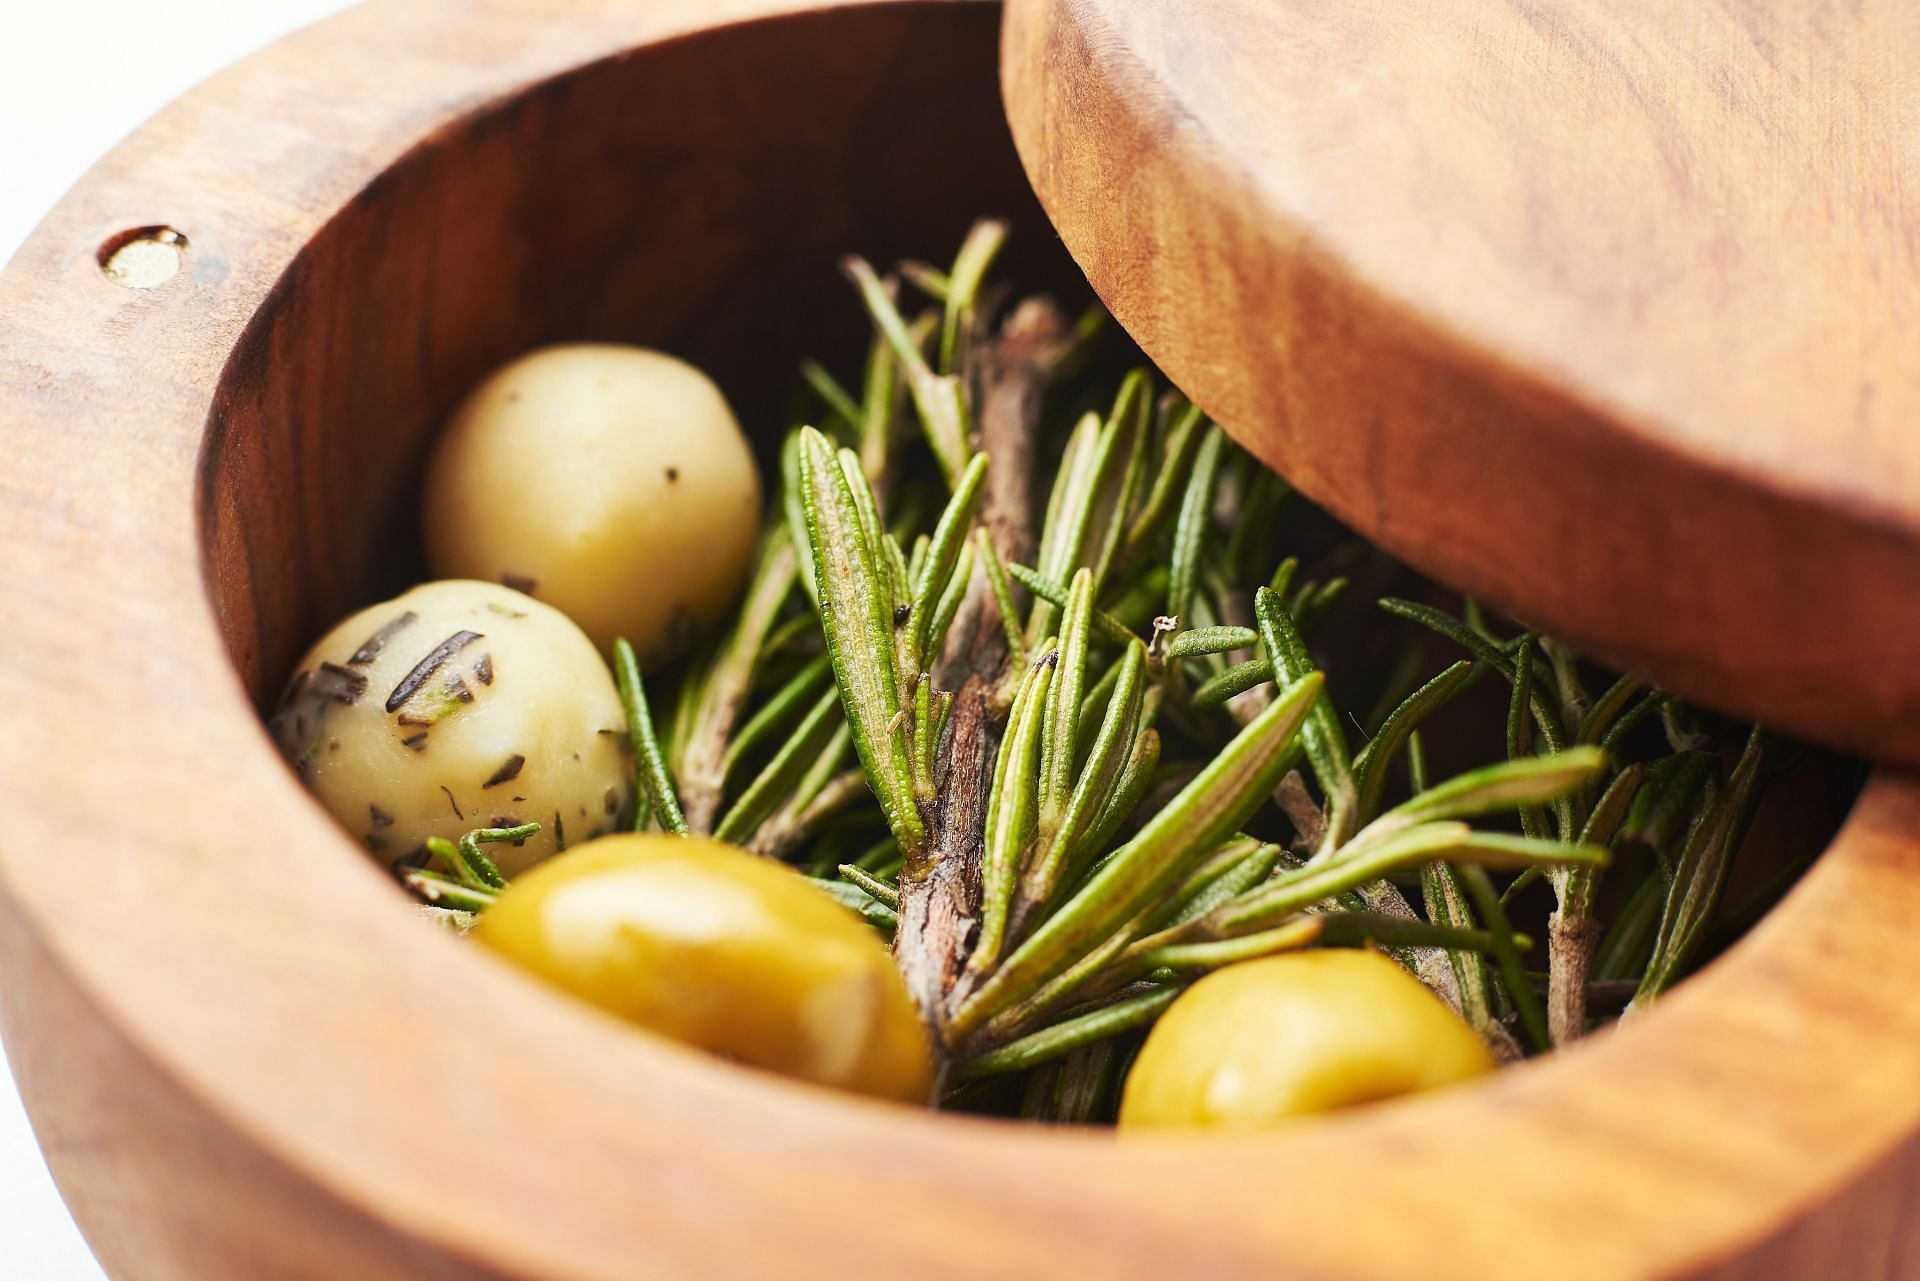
<point>455,706</point>
<point>717,948</point>
<point>1257,1043</point>
<point>611,482</point>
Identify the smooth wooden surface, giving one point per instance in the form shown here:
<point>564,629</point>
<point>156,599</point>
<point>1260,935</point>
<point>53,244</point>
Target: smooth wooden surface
<point>247,1058</point>
<point>1603,310</point>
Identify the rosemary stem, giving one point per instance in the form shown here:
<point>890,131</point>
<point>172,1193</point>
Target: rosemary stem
<point>1571,940</point>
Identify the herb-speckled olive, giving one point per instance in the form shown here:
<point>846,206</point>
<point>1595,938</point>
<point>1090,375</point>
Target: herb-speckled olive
<point>1257,1043</point>
<point>611,482</point>
<point>455,706</point>
<point>719,949</point>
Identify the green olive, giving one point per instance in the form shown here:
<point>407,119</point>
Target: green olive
<point>1258,1043</point>
<point>722,950</point>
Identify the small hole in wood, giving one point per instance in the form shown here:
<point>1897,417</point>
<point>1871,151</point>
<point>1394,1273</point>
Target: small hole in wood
<point>144,258</point>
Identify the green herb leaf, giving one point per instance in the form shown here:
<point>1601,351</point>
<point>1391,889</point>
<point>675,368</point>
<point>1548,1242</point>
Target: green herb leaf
<point>790,700</point>
<point>1372,766</point>
<point>1211,640</point>
<point>1063,844</point>
<point>832,393</point>
<point>1325,741</point>
<point>943,556</point>
<point>1241,864</point>
<point>1448,905</point>
<point>852,897</point>
<point>1135,776</point>
<point>989,558</point>
<point>1289,937</point>
<point>482,866</point>
<point>856,616</point>
<point>1106,625</point>
<point>939,399</point>
<point>1486,901</point>
<point>1701,874</point>
<point>1170,477</point>
<point>951,600</point>
<point>1217,802</point>
<point>1576,886</point>
<point>1608,708</point>
<point>1060,729</point>
<point>1545,714</point>
<point>878,409</point>
<point>1011,808</point>
<point>651,778</point>
<point>1232,682</point>
<point>1508,785</point>
<point>780,774</point>
<point>1358,929</point>
<point>702,755</point>
<point>1069,1035</point>
<point>1086,509</point>
<point>1520,733</point>
<point>970,267</point>
<point>871,885</point>
<point>447,892</point>
<point>1124,456</point>
<point>791,489</point>
<point>469,866</point>
<point>1190,531</point>
<point>1295,891</point>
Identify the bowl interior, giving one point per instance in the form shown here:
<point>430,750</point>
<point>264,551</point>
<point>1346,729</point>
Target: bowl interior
<point>694,196</point>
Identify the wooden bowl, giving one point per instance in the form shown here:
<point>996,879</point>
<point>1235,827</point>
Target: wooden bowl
<point>247,1059</point>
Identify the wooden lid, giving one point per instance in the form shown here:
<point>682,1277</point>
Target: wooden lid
<point>1604,314</point>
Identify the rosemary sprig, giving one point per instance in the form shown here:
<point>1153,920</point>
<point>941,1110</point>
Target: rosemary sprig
<point>1075,736</point>
<point>1218,801</point>
<point>1063,765</point>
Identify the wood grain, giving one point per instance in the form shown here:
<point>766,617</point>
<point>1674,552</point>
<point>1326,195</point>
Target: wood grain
<point>1603,312</point>
<point>247,1058</point>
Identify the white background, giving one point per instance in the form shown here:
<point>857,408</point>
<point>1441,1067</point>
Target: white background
<point>75,76</point>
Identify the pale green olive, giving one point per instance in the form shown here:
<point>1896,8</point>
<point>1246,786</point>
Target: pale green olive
<point>455,706</point>
<point>611,482</point>
<point>719,949</point>
<point>1255,1044</point>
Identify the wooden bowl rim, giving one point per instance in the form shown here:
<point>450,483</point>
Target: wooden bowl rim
<point>1692,1136</point>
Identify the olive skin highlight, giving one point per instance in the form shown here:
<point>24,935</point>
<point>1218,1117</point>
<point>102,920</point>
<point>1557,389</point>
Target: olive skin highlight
<point>722,950</point>
<point>1262,1042</point>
